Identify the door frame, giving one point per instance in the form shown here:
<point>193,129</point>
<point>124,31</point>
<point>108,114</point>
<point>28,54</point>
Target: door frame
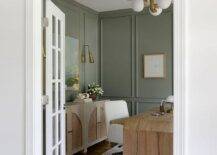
<point>179,70</point>
<point>33,65</point>
<point>34,76</point>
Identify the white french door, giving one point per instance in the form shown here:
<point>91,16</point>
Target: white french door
<point>55,80</point>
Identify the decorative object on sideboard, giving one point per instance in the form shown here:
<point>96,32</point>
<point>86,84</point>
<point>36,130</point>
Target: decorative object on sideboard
<point>94,90</point>
<point>170,100</point>
<point>155,65</point>
<point>83,96</point>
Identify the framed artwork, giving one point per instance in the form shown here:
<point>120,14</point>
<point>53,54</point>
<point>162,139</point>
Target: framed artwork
<point>72,62</point>
<point>155,65</point>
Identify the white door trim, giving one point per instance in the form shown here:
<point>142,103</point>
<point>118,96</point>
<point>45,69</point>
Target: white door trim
<point>179,30</point>
<point>34,69</point>
<point>33,143</point>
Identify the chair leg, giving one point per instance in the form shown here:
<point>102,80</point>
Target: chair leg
<point>114,150</point>
<point>110,145</point>
<point>120,145</point>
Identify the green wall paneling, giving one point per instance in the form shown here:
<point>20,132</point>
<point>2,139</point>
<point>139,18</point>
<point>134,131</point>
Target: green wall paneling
<point>82,23</point>
<point>116,46</point>
<point>125,37</point>
<point>118,40</point>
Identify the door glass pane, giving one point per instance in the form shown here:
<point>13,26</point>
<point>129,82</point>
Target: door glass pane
<point>54,63</point>
<point>54,80</point>
<point>59,151</point>
<point>59,34</point>
<point>54,98</point>
<point>59,127</point>
<point>59,96</point>
<point>54,130</point>
<point>59,65</point>
<point>53,30</point>
<point>55,152</point>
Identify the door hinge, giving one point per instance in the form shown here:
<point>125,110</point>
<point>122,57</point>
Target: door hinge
<point>45,22</point>
<point>45,100</point>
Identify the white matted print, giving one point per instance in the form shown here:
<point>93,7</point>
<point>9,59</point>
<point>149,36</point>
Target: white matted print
<point>154,65</point>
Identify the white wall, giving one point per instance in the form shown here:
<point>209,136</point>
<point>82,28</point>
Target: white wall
<point>201,78</point>
<point>12,77</point>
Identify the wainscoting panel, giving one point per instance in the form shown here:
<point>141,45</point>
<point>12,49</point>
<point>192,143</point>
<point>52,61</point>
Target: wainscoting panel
<point>137,104</point>
<point>91,39</point>
<point>154,35</point>
<point>125,38</point>
<point>116,50</point>
<point>82,23</point>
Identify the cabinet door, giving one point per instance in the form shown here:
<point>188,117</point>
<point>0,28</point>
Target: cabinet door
<point>73,131</point>
<point>92,126</point>
<point>76,132</point>
<point>101,123</point>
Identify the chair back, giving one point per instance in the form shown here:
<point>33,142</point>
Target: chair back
<point>116,110</point>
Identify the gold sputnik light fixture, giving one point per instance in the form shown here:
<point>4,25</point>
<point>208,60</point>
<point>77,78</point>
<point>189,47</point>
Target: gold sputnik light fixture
<point>138,5</point>
<point>154,9</point>
<point>155,6</point>
<point>164,4</point>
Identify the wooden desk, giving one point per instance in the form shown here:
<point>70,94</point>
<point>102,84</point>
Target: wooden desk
<point>145,134</point>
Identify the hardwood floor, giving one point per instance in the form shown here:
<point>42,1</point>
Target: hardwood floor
<point>97,149</point>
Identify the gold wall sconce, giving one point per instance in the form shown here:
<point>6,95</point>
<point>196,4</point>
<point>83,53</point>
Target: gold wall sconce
<point>83,58</point>
<point>85,53</point>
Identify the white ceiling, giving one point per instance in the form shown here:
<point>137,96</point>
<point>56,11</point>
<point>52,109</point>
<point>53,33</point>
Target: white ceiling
<point>106,5</point>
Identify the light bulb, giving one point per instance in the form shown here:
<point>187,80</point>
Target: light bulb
<point>158,12</point>
<point>164,4</point>
<point>138,5</point>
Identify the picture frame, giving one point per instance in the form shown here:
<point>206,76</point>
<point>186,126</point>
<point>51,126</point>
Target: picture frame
<point>154,66</point>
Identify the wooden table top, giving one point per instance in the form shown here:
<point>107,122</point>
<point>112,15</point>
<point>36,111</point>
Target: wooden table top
<point>147,122</point>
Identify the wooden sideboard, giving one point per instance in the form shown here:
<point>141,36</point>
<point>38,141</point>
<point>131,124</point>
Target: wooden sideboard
<point>85,125</point>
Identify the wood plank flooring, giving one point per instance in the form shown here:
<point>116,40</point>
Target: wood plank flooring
<point>97,149</point>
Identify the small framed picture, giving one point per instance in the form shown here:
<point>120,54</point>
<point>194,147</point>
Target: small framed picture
<point>155,65</point>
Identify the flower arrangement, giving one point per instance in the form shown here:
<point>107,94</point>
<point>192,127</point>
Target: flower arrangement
<point>94,90</point>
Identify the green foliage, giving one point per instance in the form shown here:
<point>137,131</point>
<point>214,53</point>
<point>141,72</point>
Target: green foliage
<point>71,81</point>
<point>95,89</point>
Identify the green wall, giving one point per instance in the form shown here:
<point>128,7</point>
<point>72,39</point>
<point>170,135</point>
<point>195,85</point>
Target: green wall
<point>82,23</point>
<point>125,38</point>
<point>118,40</point>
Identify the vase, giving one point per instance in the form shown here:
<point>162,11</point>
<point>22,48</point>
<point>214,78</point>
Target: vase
<point>93,96</point>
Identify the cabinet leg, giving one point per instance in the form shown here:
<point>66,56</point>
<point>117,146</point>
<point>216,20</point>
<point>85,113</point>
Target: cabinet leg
<point>85,151</point>
<point>109,144</point>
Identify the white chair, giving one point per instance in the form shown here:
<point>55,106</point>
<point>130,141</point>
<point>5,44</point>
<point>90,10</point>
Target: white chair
<point>115,110</point>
